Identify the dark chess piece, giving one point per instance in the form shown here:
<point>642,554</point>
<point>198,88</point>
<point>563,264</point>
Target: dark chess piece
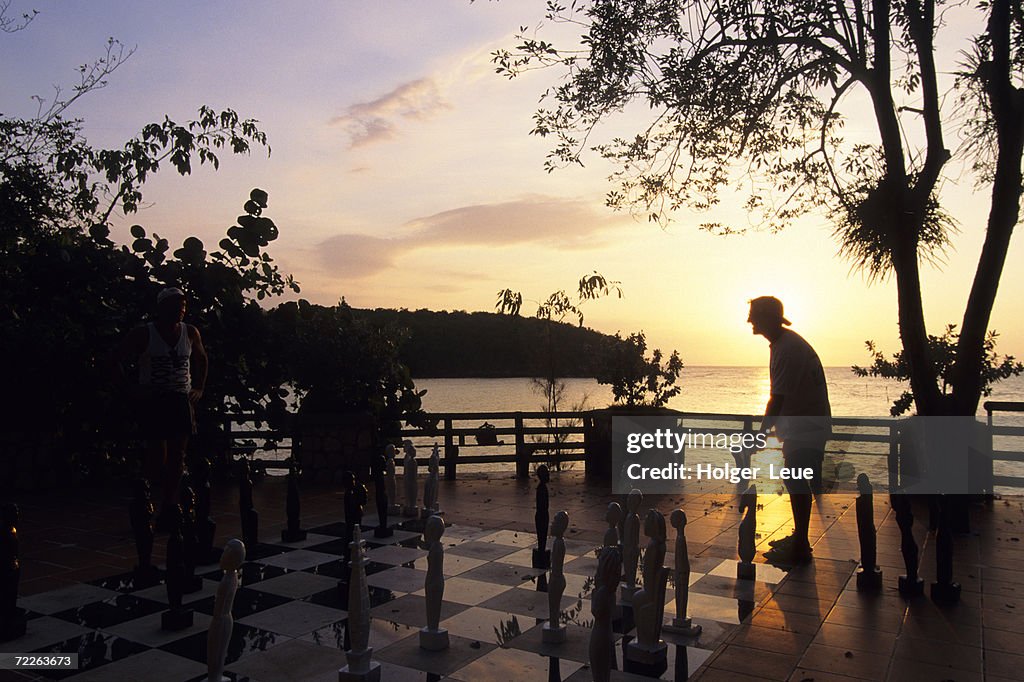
<point>380,494</point>
<point>191,583</point>
<point>176,617</point>
<point>249,516</point>
<point>293,508</point>
<point>206,527</point>
<point>541,555</point>
<point>910,585</point>
<point>12,618</point>
<point>355,500</point>
<point>944,590</point>
<point>141,512</point>
<point>869,577</point>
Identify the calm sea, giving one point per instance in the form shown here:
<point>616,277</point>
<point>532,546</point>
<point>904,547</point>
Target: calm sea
<point>727,390</point>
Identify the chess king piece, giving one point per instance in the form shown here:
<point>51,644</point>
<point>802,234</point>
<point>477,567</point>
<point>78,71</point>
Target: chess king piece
<point>190,540</point>
<point>553,631</point>
<point>12,618</point>
<point>141,512</point>
<point>602,603</point>
<point>380,496</point>
<point>390,452</point>
<point>910,585</point>
<point>541,556</point>
<point>409,480</point>
<point>649,602</point>
<point>681,624</point>
<point>355,501</point>
<point>746,570</point>
<point>219,634</point>
<point>246,511</point>
<point>206,527</point>
<point>613,517</point>
<point>430,483</point>
<point>944,590</point>
<point>631,544</point>
<point>361,667</point>
<point>293,506</point>
<point>869,577</point>
<point>433,637</point>
<point>176,617</point>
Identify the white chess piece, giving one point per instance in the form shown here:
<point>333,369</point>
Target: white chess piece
<point>361,667</point>
<point>553,631</point>
<point>409,474</point>
<point>681,623</point>
<point>649,602</point>
<point>219,634</point>
<point>434,637</point>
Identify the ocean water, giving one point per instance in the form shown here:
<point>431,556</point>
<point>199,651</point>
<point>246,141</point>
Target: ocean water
<point>718,390</point>
<point>722,390</point>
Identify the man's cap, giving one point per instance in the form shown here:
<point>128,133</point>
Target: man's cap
<point>169,292</point>
<point>768,306</point>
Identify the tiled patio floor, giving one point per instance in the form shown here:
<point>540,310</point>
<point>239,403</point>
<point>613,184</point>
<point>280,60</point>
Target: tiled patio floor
<point>815,626</point>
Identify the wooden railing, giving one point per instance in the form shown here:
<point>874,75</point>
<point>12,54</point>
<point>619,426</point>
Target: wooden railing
<point>1007,435</point>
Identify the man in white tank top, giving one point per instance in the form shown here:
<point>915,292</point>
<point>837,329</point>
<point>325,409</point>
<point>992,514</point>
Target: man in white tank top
<point>172,374</point>
<point>799,411</point>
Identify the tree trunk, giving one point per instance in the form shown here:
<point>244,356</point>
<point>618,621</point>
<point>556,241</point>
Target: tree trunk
<point>1007,105</point>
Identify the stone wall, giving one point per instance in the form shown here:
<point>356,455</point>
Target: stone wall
<point>325,445</point>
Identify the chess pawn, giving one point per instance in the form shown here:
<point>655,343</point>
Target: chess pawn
<point>746,570</point>
<point>141,512</point>
<point>409,475</point>
<point>391,481</point>
<point>380,495</point>
<point>649,602</point>
<point>434,637</point>
<point>541,557</point>
<point>631,544</point>
<point>613,517</point>
<point>681,623</point>
<point>219,634</point>
<point>553,631</point>
<point>12,618</point>
<point>361,667</point>
<point>293,507</point>
<point>869,577</point>
<point>602,603</point>
<point>430,506</point>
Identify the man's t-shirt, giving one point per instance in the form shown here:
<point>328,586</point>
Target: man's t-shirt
<point>797,375</point>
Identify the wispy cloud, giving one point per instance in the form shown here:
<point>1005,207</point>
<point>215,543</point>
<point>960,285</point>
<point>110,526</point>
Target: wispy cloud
<point>379,119</point>
<point>558,224</point>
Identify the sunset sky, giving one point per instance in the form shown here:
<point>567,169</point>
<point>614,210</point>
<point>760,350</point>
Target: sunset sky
<point>403,174</point>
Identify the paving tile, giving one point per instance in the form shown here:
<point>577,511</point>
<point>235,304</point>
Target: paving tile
<point>946,654</point>
<point>294,619</point>
<point>407,653</point>
<point>856,639</point>
<point>837,660</point>
<point>770,639</point>
<point>153,666</point>
<point>514,664</point>
<point>292,660</point>
<point>763,664</point>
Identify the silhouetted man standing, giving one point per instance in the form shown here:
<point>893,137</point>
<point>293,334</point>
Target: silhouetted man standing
<point>798,410</point>
<point>172,375</point>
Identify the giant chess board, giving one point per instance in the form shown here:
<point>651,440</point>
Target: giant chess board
<point>290,615</point>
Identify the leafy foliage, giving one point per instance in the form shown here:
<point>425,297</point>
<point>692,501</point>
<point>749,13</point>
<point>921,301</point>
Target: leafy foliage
<point>636,379</point>
<point>943,351</point>
<point>339,362</point>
